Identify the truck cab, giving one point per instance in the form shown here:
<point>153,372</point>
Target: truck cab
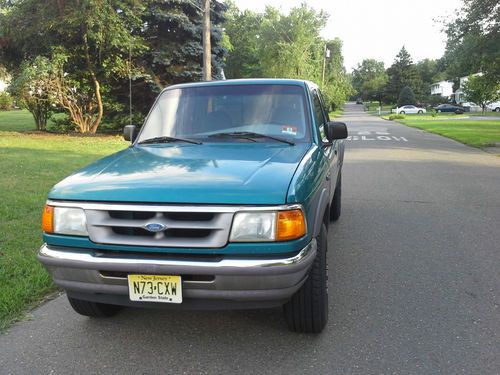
<point>222,201</point>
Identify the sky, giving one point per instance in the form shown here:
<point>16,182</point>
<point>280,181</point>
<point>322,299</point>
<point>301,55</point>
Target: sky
<point>378,29</point>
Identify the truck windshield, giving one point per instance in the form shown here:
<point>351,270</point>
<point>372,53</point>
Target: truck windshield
<point>204,111</point>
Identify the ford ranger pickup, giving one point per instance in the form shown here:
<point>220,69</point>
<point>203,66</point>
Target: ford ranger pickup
<point>222,201</point>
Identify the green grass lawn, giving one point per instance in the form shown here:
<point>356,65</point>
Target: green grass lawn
<point>17,121</point>
<point>30,165</point>
<point>477,133</point>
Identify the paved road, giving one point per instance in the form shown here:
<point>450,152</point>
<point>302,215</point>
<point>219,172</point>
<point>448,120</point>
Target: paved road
<point>414,283</point>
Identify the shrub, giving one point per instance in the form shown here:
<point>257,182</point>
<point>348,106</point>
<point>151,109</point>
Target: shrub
<point>5,101</point>
<point>397,117</point>
<point>406,97</point>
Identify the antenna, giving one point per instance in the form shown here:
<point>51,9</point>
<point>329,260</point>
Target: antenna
<point>130,83</point>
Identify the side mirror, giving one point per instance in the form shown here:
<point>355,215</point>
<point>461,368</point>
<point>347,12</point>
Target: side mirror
<point>130,133</point>
<point>336,130</point>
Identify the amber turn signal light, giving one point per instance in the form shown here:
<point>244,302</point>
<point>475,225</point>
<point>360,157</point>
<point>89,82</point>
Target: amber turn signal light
<point>48,219</point>
<point>290,225</point>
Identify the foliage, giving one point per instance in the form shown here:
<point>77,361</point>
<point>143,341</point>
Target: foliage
<point>396,116</point>
<point>243,29</point>
<point>32,89</point>
<point>89,41</point>
<point>369,79</point>
<point>406,97</point>
<point>5,101</point>
<point>273,44</point>
<point>473,40</point>
<point>481,90</point>
<point>401,73</point>
<point>99,44</point>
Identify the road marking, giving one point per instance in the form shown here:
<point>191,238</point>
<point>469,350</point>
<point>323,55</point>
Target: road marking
<point>367,135</point>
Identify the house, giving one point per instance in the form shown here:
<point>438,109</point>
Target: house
<point>443,88</point>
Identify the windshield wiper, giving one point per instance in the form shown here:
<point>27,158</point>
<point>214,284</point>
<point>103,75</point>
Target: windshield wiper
<point>166,139</point>
<point>250,135</point>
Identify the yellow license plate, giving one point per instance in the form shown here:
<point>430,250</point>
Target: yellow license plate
<point>155,288</point>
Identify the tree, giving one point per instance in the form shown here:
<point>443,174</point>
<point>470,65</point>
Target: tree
<point>91,39</point>
<point>243,30</point>
<point>401,73</point>
<point>337,86</point>
<point>32,88</point>
<point>481,90</point>
<point>428,71</point>
<point>473,38</point>
<point>369,79</point>
<point>406,97</point>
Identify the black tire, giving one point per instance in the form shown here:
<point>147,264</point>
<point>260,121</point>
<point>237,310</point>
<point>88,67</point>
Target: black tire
<point>420,112</point>
<point>307,310</point>
<point>497,109</point>
<point>438,111</point>
<point>336,206</point>
<point>93,309</point>
<point>401,112</point>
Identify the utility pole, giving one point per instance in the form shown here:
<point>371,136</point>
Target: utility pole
<point>326,54</point>
<point>207,47</point>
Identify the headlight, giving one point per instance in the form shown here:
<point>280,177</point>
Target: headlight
<point>64,220</point>
<point>268,226</point>
<point>253,226</point>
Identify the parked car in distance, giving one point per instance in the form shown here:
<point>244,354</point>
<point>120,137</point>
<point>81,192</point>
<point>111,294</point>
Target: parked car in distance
<point>359,101</point>
<point>409,109</point>
<point>495,106</point>
<point>222,201</point>
<point>471,107</point>
<point>449,108</point>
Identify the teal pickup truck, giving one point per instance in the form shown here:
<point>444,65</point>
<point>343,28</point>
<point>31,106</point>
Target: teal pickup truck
<point>222,201</point>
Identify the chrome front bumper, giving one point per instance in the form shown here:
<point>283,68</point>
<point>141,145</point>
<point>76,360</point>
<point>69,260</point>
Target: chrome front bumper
<point>232,282</point>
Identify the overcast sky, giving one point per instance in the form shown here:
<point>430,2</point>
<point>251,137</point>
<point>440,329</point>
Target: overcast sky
<point>378,29</point>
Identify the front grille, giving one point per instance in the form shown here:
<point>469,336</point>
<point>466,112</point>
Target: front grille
<point>195,229</point>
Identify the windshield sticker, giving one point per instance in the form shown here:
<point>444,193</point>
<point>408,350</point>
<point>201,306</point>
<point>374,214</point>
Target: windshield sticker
<point>287,129</point>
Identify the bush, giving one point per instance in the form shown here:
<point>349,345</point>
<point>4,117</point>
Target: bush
<point>406,97</point>
<point>60,123</point>
<point>5,101</point>
<point>397,117</point>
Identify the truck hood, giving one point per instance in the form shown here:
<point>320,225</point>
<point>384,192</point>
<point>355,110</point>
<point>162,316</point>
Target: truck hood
<point>233,173</point>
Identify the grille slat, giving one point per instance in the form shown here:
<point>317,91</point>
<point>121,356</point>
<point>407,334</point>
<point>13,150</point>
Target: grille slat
<point>182,229</point>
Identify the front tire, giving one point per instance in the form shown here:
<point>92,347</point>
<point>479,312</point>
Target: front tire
<point>307,310</point>
<point>93,309</point>
<point>497,109</point>
<point>420,112</point>
<point>402,112</point>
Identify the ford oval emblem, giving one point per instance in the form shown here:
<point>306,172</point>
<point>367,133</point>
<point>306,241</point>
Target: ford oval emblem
<point>155,227</point>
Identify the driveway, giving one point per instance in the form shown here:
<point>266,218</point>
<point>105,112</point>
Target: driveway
<point>414,283</point>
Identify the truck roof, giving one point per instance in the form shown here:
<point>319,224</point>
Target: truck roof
<point>249,81</point>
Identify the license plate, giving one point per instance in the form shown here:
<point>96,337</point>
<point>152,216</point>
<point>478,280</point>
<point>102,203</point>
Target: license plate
<point>155,288</point>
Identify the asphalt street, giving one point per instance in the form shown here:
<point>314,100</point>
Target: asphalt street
<point>414,283</point>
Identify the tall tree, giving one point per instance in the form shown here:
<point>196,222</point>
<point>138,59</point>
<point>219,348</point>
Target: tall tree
<point>369,79</point>
<point>243,29</point>
<point>401,73</point>
<point>474,40</point>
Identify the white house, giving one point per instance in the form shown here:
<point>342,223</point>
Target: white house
<point>443,88</point>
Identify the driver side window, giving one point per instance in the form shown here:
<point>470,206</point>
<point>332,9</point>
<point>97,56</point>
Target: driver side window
<point>319,115</point>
